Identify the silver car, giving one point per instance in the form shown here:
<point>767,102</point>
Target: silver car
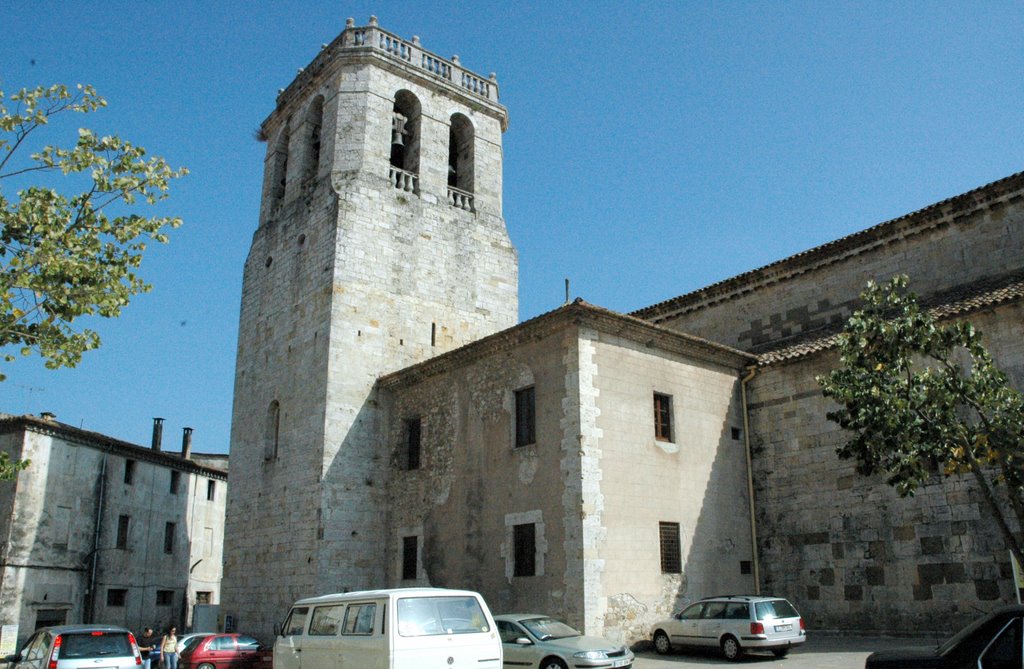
<point>534,640</point>
<point>735,624</point>
<point>78,647</point>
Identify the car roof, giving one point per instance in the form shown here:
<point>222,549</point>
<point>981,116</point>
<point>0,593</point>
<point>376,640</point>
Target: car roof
<point>740,598</point>
<point>69,629</point>
<point>522,616</point>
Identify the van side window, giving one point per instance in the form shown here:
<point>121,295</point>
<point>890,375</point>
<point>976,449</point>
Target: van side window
<point>296,621</point>
<point>326,620</point>
<point>359,619</point>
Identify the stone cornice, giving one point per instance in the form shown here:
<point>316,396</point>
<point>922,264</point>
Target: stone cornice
<point>27,423</point>
<point>574,314</point>
<point>933,216</point>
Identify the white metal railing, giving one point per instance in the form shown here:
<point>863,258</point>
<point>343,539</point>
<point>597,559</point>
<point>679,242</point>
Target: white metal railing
<point>404,180</point>
<point>460,199</point>
<point>412,53</point>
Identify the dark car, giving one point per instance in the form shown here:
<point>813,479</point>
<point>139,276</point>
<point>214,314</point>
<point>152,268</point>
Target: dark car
<point>221,651</point>
<point>991,642</point>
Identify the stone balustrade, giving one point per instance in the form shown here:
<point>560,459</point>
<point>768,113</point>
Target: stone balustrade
<point>412,53</point>
<point>460,199</point>
<point>404,180</point>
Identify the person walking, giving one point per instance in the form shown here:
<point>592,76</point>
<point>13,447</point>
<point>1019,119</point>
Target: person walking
<point>169,650</point>
<point>147,643</point>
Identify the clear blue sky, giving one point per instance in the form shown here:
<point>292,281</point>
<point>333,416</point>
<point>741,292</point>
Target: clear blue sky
<point>653,148</point>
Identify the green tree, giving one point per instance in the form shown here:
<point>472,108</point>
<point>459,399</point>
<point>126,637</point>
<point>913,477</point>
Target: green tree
<point>924,398</point>
<point>63,257</point>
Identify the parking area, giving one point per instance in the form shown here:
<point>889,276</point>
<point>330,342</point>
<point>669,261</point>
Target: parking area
<point>818,652</point>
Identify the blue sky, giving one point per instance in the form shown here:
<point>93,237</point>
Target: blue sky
<point>653,148</point>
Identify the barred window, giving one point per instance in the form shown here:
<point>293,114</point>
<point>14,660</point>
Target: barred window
<point>671,553</point>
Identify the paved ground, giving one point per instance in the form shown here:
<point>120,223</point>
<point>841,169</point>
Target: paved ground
<point>818,652</point>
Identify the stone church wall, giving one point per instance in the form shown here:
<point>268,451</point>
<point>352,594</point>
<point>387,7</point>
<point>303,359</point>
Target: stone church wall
<point>847,549</point>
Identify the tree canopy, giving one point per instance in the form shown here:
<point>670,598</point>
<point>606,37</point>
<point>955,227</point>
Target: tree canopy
<point>924,398</point>
<point>65,256</point>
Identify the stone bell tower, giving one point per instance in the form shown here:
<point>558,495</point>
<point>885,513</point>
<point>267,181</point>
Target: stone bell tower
<point>380,244</point>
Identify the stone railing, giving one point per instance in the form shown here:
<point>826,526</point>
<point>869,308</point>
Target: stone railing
<point>412,53</point>
<point>404,180</point>
<point>460,199</point>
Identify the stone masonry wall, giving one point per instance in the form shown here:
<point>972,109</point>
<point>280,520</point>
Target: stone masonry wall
<point>847,549</point>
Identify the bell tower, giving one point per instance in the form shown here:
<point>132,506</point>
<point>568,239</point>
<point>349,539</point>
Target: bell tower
<point>380,244</point>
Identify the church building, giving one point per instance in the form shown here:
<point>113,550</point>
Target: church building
<point>393,425</point>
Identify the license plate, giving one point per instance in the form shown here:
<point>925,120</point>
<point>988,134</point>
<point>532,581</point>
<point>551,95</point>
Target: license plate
<point>783,628</point>
<point>620,663</point>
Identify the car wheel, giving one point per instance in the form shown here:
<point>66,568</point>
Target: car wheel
<point>661,643</point>
<point>731,648</point>
<point>553,663</point>
<point>780,652</point>
<point>205,665</point>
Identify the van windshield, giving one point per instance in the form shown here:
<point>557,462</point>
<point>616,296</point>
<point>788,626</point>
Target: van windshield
<point>430,616</point>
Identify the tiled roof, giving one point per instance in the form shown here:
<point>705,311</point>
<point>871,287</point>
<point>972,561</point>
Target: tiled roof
<point>950,304</point>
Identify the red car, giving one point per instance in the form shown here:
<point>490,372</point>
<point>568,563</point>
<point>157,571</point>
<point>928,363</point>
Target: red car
<point>226,651</point>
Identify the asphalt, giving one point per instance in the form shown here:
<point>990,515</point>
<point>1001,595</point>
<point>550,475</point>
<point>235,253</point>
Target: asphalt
<point>820,651</point>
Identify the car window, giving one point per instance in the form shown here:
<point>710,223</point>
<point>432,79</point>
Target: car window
<point>247,643</point>
<point>509,631</point>
<point>326,620</point>
<point>36,647</point>
<point>776,608</point>
<point>714,610</point>
<point>359,619</point>
<point>191,642</point>
<point>691,612</point>
<point>221,643</point>
<point>737,611</point>
<point>1005,650</point>
<point>296,621</point>
<point>549,628</point>
<point>426,616</point>
<point>94,645</point>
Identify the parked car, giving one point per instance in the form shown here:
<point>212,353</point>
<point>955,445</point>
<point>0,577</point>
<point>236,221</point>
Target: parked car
<point>189,640</point>
<point>534,640</point>
<point>990,642</point>
<point>78,647</point>
<point>735,624</point>
<point>221,651</point>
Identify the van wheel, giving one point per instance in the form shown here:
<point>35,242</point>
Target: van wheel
<point>731,648</point>
<point>661,643</point>
<point>553,663</point>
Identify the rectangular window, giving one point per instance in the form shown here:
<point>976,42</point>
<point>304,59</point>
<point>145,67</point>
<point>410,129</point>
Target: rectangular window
<point>204,597</point>
<point>175,481</point>
<point>662,417</point>
<point>526,417</point>
<point>164,597</point>
<point>116,596</point>
<point>122,531</point>
<point>169,538</point>
<point>410,554</point>
<point>671,550</point>
<point>359,619</point>
<point>525,539</point>
<point>326,620</point>
<point>296,622</point>
<point>211,490</point>
<point>412,443</point>
<point>129,471</point>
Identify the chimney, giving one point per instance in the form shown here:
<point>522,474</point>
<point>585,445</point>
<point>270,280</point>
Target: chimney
<point>186,443</point>
<point>158,433</point>
<point>48,415</point>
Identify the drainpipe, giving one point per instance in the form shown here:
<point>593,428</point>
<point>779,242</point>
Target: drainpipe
<point>751,371</point>
<point>98,520</point>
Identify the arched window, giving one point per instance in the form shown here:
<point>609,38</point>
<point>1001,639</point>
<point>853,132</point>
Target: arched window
<point>405,142</point>
<point>272,431</point>
<point>279,168</point>
<point>314,121</point>
<point>460,163</point>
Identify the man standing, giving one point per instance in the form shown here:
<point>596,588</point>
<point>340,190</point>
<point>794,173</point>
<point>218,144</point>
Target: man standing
<point>147,642</point>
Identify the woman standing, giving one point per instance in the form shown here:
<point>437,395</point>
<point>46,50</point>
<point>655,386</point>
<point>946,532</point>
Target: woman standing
<point>168,649</point>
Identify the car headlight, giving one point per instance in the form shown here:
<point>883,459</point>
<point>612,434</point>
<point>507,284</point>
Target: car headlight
<point>591,655</point>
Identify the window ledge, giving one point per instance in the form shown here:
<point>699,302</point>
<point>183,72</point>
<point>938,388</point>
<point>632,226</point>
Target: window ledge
<point>667,446</point>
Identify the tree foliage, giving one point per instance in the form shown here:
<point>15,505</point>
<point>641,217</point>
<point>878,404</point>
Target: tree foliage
<point>924,398</point>
<point>63,256</point>
<point>9,468</point>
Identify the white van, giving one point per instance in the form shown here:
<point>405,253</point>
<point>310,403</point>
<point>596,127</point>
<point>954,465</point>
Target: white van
<point>402,628</point>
